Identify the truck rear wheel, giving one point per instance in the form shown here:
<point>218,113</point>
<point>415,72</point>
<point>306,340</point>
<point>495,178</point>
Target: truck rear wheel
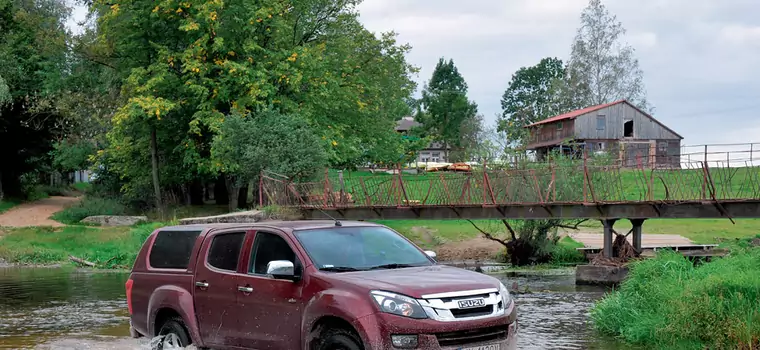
<point>339,339</point>
<point>174,334</point>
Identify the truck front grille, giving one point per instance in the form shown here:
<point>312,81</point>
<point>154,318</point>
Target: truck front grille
<point>472,336</point>
<point>474,312</point>
<point>464,305</point>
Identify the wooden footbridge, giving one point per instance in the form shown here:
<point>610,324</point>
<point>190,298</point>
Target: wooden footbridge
<point>727,188</point>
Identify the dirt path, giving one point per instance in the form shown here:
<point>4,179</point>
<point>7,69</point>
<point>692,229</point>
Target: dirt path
<point>36,213</point>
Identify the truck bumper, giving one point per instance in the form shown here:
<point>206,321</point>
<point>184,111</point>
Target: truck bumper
<point>492,334</point>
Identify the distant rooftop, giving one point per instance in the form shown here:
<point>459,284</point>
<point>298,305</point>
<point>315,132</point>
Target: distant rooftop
<point>406,124</point>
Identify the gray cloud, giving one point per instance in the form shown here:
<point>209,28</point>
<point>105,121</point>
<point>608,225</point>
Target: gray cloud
<point>699,56</point>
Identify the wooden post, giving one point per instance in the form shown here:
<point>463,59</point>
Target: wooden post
<point>607,249</point>
<point>637,234</point>
<point>342,187</point>
<point>704,177</point>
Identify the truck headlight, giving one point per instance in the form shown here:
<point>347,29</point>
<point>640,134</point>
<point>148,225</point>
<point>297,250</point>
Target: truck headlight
<point>397,304</point>
<point>506,298</point>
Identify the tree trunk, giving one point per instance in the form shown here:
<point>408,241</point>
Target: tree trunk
<point>232,193</point>
<point>220,191</point>
<point>154,165</point>
<point>196,192</point>
<point>242,201</point>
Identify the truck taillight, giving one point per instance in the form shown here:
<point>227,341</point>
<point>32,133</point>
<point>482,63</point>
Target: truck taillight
<point>128,285</point>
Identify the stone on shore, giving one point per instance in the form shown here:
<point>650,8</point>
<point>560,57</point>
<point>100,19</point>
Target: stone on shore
<point>239,217</point>
<point>600,275</point>
<point>114,220</point>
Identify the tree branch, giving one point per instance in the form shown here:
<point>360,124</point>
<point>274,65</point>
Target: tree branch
<point>488,235</point>
<point>573,227</point>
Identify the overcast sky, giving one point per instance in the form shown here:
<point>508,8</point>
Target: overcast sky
<point>700,57</point>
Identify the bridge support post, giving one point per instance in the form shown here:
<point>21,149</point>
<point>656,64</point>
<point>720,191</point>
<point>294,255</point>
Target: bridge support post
<point>637,233</point>
<point>608,224</point>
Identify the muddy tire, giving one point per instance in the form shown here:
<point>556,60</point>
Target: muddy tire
<point>174,335</point>
<point>339,339</point>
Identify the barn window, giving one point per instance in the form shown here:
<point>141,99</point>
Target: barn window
<point>559,126</point>
<point>663,146</point>
<point>601,122</point>
<point>628,128</point>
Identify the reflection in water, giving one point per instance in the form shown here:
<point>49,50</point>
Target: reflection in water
<point>60,309</point>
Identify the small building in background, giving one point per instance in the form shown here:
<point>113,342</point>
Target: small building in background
<point>433,153</point>
<point>618,129</point>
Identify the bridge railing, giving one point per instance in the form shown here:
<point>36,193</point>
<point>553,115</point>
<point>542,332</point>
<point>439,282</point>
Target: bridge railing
<point>578,181</point>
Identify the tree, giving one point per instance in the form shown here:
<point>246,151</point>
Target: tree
<point>530,98</point>
<point>187,66</point>
<point>602,69</point>
<point>33,54</point>
<point>445,109</point>
<point>249,144</point>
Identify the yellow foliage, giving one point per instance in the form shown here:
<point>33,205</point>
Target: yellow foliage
<point>179,10</point>
<point>115,8</point>
<point>334,143</point>
<point>213,16</point>
<point>155,9</point>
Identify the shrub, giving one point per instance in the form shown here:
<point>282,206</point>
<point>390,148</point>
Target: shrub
<point>565,252</point>
<point>90,206</point>
<point>667,302</point>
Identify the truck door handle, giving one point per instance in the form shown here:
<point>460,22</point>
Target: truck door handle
<point>201,284</point>
<point>245,289</point>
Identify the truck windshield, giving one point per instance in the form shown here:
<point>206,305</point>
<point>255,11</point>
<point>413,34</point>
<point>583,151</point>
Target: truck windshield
<point>343,249</point>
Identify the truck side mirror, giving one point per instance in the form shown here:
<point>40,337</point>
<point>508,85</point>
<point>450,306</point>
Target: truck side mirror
<point>431,254</point>
<point>281,269</point>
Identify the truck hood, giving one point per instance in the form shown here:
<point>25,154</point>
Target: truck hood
<point>418,281</point>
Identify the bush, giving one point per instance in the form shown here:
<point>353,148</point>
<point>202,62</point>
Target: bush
<point>565,252</point>
<point>667,302</point>
<point>90,206</point>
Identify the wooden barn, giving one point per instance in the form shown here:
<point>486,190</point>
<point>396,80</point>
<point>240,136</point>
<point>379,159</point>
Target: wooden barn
<point>619,129</point>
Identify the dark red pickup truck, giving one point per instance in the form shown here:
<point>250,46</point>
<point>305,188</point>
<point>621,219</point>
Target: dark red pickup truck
<point>310,285</point>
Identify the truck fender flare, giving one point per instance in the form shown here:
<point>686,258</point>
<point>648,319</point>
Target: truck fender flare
<point>345,305</point>
<point>179,300</point>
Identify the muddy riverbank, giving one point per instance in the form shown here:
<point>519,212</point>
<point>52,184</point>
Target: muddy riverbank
<point>65,308</point>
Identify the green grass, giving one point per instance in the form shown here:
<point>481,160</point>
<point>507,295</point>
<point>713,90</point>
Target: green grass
<point>668,303</point>
<point>108,247</point>
<point>7,204</point>
<point>90,206</point>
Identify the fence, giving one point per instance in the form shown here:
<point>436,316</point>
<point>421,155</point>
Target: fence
<point>592,179</point>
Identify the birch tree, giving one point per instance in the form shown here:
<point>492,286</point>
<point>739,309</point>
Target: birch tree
<point>602,67</point>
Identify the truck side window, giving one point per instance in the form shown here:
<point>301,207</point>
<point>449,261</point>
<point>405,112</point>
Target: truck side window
<point>225,250</point>
<point>268,247</point>
<point>172,249</point>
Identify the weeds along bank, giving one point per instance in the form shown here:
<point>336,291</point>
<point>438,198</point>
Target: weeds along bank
<point>106,247</point>
<point>668,303</point>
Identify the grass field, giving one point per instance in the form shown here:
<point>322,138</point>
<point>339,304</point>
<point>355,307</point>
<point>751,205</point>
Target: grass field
<point>108,247</point>
<point>701,231</point>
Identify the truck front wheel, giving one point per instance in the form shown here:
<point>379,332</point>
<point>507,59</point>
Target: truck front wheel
<point>339,339</point>
<point>173,335</point>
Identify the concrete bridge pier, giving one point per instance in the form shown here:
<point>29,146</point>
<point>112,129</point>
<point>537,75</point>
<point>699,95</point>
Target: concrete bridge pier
<point>608,235</point>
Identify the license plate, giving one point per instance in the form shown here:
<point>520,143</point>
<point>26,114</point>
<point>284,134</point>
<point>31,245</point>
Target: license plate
<point>471,303</point>
<point>483,347</point>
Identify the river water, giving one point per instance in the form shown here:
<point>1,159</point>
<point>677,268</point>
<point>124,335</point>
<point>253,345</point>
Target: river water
<point>63,308</point>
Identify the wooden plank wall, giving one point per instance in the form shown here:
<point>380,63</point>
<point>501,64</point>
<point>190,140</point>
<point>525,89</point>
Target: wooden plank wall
<point>644,127</point>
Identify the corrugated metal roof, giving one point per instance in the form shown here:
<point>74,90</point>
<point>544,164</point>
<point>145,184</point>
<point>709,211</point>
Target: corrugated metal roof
<point>575,114</point>
<point>580,112</point>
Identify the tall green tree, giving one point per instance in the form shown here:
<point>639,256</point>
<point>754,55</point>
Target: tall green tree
<point>33,62</point>
<point>190,65</point>
<point>602,68</point>
<point>445,109</point>
<point>529,98</point>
